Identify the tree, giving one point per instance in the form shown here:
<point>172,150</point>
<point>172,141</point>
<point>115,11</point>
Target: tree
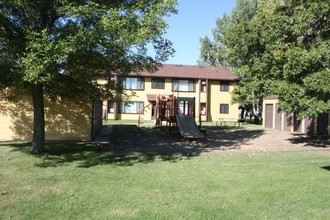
<point>58,48</point>
<point>213,52</point>
<point>238,48</point>
<point>299,38</point>
<point>280,47</point>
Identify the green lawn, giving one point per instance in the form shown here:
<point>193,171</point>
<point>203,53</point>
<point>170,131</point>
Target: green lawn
<point>74,182</point>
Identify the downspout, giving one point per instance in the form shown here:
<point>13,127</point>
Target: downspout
<point>207,100</point>
<point>198,101</point>
<point>115,104</point>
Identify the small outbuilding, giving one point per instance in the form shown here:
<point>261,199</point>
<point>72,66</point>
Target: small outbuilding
<point>276,118</point>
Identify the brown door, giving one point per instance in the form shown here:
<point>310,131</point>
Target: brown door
<point>278,117</point>
<point>297,123</point>
<point>309,125</point>
<point>269,116</point>
<point>322,124</point>
<point>287,122</point>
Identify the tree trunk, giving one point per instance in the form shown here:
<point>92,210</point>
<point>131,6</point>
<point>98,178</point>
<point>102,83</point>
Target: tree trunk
<point>38,120</point>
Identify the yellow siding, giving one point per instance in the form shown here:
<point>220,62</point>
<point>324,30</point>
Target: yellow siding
<point>203,97</point>
<point>63,120</point>
<point>16,120</point>
<point>218,97</point>
<point>68,121</point>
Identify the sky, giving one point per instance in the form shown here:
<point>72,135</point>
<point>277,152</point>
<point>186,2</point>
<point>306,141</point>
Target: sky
<point>195,19</point>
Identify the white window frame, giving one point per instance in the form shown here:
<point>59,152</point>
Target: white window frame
<point>133,83</point>
<point>183,85</point>
<point>131,107</point>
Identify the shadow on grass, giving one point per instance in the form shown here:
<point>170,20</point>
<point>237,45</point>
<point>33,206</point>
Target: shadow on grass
<point>130,145</point>
<point>326,168</point>
<point>311,141</point>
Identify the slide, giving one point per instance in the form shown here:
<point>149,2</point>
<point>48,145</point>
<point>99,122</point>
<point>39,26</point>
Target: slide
<point>188,127</point>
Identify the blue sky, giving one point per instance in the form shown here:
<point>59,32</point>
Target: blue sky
<point>195,19</point>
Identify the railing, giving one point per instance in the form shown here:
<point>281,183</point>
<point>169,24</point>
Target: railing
<point>225,121</point>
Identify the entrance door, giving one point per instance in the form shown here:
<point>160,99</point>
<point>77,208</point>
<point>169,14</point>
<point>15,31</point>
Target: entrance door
<point>322,124</point>
<point>287,122</point>
<point>309,125</point>
<point>297,123</point>
<point>278,117</point>
<point>269,116</point>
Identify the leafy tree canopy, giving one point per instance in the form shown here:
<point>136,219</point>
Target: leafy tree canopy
<point>59,47</point>
<point>56,42</point>
<point>277,47</point>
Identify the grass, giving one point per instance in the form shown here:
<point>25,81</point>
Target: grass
<point>74,182</point>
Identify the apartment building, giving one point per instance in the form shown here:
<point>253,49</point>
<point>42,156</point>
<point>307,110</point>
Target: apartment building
<point>209,86</point>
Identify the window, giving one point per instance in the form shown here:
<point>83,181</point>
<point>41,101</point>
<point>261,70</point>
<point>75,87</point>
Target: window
<point>224,85</point>
<point>183,108</point>
<point>158,83</point>
<point>131,107</point>
<point>203,85</point>
<point>224,108</point>
<point>183,85</point>
<point>133,83</point>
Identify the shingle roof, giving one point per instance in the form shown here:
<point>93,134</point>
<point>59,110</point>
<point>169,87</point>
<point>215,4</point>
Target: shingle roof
<point>271,97</point>
<point>192,72</point>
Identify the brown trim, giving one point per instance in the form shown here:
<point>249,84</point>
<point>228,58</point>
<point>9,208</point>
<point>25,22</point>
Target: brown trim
<point>272,97</point>
<point>207,101</point>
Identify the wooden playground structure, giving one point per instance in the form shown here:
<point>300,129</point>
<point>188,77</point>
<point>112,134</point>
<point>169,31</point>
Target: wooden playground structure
<point>168,107</point>
<point>175,112</point>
